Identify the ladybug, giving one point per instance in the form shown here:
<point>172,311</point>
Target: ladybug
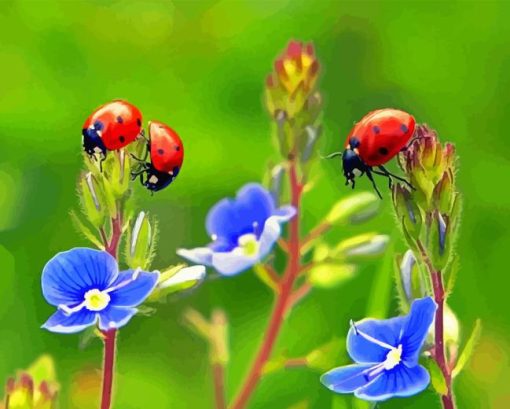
<point>111,126</point>
<point>166,155</point>
<point>374,141</point>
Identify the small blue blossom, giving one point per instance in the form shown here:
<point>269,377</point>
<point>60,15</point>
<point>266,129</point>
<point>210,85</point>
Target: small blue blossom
<point>87,288</point>
<point>243,231</point>
<point>386,353</point>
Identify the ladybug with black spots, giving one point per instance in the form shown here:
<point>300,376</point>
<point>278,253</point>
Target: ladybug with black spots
<point>374,141</point>
<point>166,153</point>
<point>110,127</point>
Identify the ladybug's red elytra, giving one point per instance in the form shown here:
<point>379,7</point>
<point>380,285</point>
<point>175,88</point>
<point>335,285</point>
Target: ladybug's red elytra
<point>374,141</point>
<point>111,126</point>
<point>166,153</point>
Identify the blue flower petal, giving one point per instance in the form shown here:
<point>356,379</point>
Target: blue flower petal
<point>199,255</point>
<point>388,331</point>
<point>399,381</point>
<point>68,324</point>
<point>273,230</point>
<point>346,379</point>
<point>416,329</point>
<point>68,275</point>
<point>136,291</point>
<point>232,262</point>
<point>115,317</point>
<point>231,218</point>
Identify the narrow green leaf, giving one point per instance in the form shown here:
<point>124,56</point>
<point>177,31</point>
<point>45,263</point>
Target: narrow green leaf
<point>403,302</point>
<point>450,272</point>
<point>87,233</point>
<point>436,377</point>
<point>469,348</point>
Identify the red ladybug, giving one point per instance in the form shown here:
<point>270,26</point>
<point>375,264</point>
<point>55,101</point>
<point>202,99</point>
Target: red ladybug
<point>373,141</point>
<point>166,155</point>
<point>111,126</point>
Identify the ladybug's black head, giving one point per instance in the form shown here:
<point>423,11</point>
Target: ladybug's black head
<point>352,163</point>
<point>92,142</point>
<point>156,180</point>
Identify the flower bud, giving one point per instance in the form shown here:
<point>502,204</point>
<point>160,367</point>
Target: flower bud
<point>277,174</point>
<point>411,278</point>
<point>92,200</point>
<point>353,209</point>
<point>443,193</point>
<point>361,246</point>
<point>139,252</point>
<point>439,243</point>
<point>177,279</point>
<point>34,388</point>
<point>408,213</point>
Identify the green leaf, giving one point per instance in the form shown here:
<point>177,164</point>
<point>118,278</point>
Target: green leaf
<point>92,200</point>
<point>469,348</point>
<point>438,248</point>
<point>329,275</point>
<point>403,302</point>
<point>436,376</point>
<point>353,209</point>
<point>327,355</point>
<point>82,228</point>
<point>450,272</point>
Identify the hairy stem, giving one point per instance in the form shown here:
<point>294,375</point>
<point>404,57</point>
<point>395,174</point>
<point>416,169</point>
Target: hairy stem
<point>282,300</point>
<point>108,364</point>
<point>439,348</point>
<point>109,337</point>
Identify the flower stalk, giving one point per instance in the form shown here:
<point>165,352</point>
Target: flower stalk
<point>429,217</point>
<point>285,294</point>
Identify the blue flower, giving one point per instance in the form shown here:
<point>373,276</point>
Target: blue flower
<point>386,353</point>
<point>87,288</point>
<point>243,231</point>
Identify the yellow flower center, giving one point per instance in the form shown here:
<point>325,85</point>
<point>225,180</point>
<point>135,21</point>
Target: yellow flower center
<point>393,358</point>
<point>249,245</point>
<point>96,300</point>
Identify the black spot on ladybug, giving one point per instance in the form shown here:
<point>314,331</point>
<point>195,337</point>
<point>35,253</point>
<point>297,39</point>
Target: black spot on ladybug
<point>177,148</point>
<point>383,151</point>
<point>161,151</point>
<point>122,139</point>
<point>404,128</point>
<point>139,122</point>
<point>376,129</point>
<point>119,119</point>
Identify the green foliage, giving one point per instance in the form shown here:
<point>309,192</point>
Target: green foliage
<point>469,348</point>
<point>437,380</point>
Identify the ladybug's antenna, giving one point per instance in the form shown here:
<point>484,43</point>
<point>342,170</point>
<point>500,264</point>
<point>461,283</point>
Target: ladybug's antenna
<point>332,155</point>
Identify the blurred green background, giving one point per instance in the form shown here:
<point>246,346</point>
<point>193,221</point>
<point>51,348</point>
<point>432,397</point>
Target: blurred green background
<point>200,66</point>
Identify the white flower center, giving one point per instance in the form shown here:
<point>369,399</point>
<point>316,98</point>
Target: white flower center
<point>96,300</point>
<point>249,244</point>
<point>393,358</point>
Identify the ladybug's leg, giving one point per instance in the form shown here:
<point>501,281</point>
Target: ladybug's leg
<point>369,175</point>
<point>387,173</point>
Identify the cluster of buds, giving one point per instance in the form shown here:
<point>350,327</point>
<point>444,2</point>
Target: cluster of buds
<point>429,213</point>
<point>293,101</point>
<point>34,388</point>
